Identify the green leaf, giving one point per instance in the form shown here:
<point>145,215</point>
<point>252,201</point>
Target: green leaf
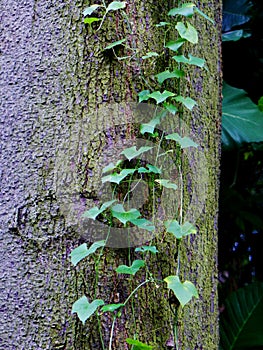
<point>242,121</point>
<point>184,142</point>
<point>242,320</point>
<point>160,97</point>
<point>186,101</point>
<point>144,95</point>
<point>111,167</point>
<point>111,307</point>
<point>146,248</point>
<point>138,345</point>
<point>95,211</point>
<point>166,184</point>
<point>82,251</point>
<point>124,216</point>
<point>170,108</point>
<point>235,35</point>
<point>260,104</point>
<point>143,224</point>
<point>151,169</point>
<point>132,152</point>
<point>163,24</point>
<point>187,32</point>
<point>184,292</point>
<point>150,126</point>
<point>89,10</point>
<point>117,178</point>
<point>84,309</point>
<point>161,77</point>
<point>131,270</point>
<point>186,10</point>
<point>175,45</point>
<point>179,231</point>
<point>196,61</point>
<point>149,55</point>
<point>116,5</point>
<point>90,20</point>
<point>116,43</point>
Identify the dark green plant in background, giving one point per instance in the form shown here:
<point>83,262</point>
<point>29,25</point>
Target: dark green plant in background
<point>241,200</point>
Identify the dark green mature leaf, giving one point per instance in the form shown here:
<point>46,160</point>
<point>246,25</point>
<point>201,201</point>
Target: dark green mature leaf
<point>242,320</point>
<point>242,120</point>
<point>161,77</point>
<point>84,309</point>
<point>235,35</point>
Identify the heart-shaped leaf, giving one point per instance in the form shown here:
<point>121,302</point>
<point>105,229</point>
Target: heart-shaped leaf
<point>175,45</point>
<point>84,309</point>
<point>188,102</point>
<point>186,10</point>
<point>95,211</point>
<point>144,224</point>
<point>151,169</point>
<point>82,251</point>
<point>170,108</point>
<point>111,167</point>
<point>116,5</point>
<point>117,178</point>
<point>137,345</point>
<point>184,142</point>
<point>166,184</point>
<point>116,43</point>
<point>161,77</point>
<point>132,152</point>
<point>193,60</point>
<point>146,248</point>
<point>90,20</point>
<point>111,307</point>
<point>89,10</point>
<point>160,97</point>
<point>179,231</point>
<point>150,126</point>
<point>131,270</point>
<point>183,291</point>
<point>123,216</point>
<point>149,55</point>
<point>187,32</point>
<point>144,95</point>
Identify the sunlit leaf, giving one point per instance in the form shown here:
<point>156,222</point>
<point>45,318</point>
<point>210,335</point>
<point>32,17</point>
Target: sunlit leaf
<point>186,101</point>
<point>146,248</point>
<point>132,152</point>
<point>187,32</point>
<point>95,211</point>
<point>161,77</point>
<point>160,97</point>
<point>84,309</point>
<point>117,178</point>
<point>116,5</point>
<point>124,216</point>
<point>89,10</point>
<point>82,251</point>
<point>90,20</point>
<point>179,231</point>
<point>184,292</point>
<point>137,345</point>
<point>184,142</point>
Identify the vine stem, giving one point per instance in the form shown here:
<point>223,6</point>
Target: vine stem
<point>135,290</point>
<point>111,332</point>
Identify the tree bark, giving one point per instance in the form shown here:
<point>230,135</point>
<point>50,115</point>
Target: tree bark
<point>55,80</point>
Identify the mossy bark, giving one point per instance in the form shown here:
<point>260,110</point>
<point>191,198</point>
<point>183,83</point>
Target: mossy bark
<point>55,78</point>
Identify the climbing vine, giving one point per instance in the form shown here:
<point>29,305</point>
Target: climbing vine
<point>125,174</point>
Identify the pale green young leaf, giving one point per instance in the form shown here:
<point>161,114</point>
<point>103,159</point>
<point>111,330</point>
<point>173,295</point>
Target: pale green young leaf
<point>175,45</point>
<point>186,10</point>
<point>123,216</point>
<point>163,24</point>
<point>89,10</point>
<point>188,102</point>
<point>187,32</point>
<point>149,55</point>
<point>82,251</point>
<point>84,309</point>
<point>179,231</point>
<point>132,152</point>
<point>111,167</point>
<point>166,184</point>
<point>95,211</point>
<point>116,43</point>
<point>117,178</point>
<point>143,224</point>
<point>184,142</point>
<point>137,345</point>
<point>146,248</point>
<point>184,292</point>
<point>161,77</point>
<point>116,5</point>
<point>90,20</point>
<point>160,97</point>
<point>131,270</point>
<point>144,95</point>
<point>196,61</point>
<point>111,307</point>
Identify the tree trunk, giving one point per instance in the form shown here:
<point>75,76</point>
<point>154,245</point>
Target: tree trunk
<point>66,112</point>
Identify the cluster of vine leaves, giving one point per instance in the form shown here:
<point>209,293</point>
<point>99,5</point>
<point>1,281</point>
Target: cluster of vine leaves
<point>115,174</point>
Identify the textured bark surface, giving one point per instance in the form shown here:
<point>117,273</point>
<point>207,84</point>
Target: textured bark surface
<point>54,77</point>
